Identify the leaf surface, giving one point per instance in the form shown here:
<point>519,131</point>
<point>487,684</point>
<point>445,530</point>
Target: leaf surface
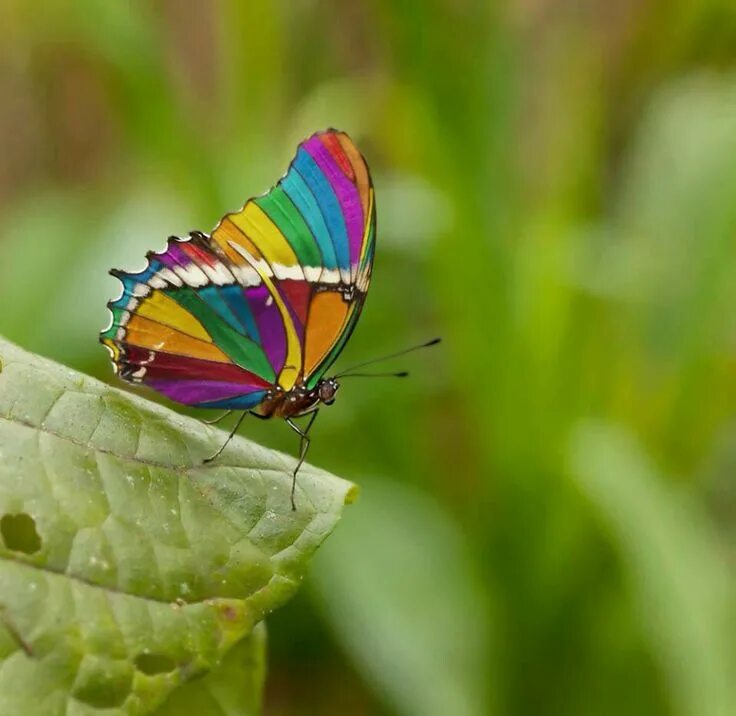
<point>233,689</point>
<point>127,566</point>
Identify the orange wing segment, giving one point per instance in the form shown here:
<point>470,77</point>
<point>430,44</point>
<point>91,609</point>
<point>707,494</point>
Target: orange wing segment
<point>360,172</point>
<point>327,317</point>
<point>144,333</point>
<point>227,232</point>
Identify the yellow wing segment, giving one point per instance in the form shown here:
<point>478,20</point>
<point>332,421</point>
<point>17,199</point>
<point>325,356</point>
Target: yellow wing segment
<point>159,307</point>
<point>257,225</point>
<point>367,229</point>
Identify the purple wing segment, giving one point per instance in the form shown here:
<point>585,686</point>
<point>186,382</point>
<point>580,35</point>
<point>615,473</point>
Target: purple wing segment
<point>346,193</point>
<point>270,325</point>
<point>195,392</point>
<point>173,256</point>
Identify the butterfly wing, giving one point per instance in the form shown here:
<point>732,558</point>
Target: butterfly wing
<point>267,301</point>
<point>311,241</point>
<point>185,327</point>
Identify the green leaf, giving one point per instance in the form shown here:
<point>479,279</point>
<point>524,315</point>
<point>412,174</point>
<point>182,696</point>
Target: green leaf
<point>233,689</point>
<point>404,598</point>
<point>129,567</point>
<point>677,570</point>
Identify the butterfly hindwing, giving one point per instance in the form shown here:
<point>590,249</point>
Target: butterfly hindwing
<point>169,333</point>
<point>268,300</point>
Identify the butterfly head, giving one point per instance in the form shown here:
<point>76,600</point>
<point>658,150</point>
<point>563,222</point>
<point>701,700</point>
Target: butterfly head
<point>326,390</point>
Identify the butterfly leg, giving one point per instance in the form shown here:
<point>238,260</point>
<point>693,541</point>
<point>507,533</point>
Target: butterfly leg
<point>216,420</point>
<point>229,438</point>
<point>303,449</point>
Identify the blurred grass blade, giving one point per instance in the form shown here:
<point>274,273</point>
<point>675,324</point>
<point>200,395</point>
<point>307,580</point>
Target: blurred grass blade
<point>401,594</point>
<point>677,573</point>
<point>128,566</point>
<point>233,689</point>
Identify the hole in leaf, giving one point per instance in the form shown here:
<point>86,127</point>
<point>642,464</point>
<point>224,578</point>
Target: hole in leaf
<point>152,664</point>
<point>19,533</point>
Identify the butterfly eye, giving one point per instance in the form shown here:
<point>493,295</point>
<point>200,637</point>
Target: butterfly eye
<point>326,391</point>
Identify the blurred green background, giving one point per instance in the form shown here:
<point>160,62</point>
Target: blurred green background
<point>547,515</point>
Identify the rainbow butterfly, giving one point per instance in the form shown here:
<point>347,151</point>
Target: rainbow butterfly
<point>252,316</point>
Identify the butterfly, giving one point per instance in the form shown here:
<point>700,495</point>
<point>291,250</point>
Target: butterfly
<point>251,317</point>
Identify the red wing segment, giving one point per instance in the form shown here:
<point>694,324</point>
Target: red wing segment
<point>168,366</point>
<point>198,255</point>
<point>297,295</point>
<point>332,143</point>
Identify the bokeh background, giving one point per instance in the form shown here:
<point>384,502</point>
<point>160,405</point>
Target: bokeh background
<point>547,521</point>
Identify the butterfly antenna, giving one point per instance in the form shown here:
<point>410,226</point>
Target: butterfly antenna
<point>399,374</point>
<point>349,371</point>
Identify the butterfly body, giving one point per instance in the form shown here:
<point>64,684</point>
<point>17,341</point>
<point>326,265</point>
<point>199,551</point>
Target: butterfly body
<point>298,401</point>
<point>252,316</point>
